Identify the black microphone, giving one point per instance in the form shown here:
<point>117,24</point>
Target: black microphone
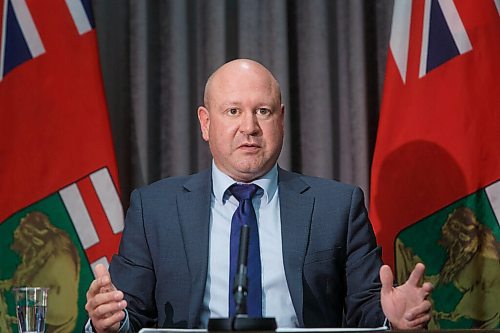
<point>240,321</point>
<point>240,289</point>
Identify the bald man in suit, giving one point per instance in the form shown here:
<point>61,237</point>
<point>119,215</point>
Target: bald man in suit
<point>321,266</point>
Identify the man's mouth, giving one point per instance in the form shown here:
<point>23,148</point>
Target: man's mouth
<point>249,146</point>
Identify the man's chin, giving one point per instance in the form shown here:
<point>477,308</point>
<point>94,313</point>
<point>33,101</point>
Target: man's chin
<point>246,175</point>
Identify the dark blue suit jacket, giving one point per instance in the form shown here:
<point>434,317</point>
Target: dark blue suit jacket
<point>330,254</point>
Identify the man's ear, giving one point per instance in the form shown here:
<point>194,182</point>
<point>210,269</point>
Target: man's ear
<point>204,118</point>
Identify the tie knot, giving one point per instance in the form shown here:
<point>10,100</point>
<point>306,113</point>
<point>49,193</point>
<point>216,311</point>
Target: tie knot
<point>243,191</point>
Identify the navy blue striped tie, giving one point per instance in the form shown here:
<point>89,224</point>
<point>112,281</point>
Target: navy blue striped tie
<point>245,214</point>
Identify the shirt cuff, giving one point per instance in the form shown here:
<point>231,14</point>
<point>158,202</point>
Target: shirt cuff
<point>387,324</point>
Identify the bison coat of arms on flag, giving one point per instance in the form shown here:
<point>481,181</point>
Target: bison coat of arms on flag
<point>60,211</point>
<point>53,243</point>
<point>435,189</point>
<point>460,247</point>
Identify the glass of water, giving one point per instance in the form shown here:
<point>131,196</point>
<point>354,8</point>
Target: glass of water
<point>31,307</point>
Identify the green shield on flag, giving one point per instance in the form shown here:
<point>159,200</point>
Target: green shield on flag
<point>459,245</point>
<point>40,247</point>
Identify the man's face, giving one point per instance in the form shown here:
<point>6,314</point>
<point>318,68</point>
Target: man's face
<point>243,121</point>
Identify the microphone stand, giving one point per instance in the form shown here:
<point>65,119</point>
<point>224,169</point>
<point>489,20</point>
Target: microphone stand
<point>240,321</point>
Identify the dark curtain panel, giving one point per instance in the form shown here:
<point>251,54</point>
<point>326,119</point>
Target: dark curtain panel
<point>329,57</point>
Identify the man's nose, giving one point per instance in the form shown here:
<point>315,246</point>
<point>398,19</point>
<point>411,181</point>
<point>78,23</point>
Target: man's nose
<point>249,123</point>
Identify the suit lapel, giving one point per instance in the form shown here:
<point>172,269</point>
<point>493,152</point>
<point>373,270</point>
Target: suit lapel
<point>296,211</point>
<point>194,216</point>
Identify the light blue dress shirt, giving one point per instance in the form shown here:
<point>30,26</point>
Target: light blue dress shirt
<point>276,300</point>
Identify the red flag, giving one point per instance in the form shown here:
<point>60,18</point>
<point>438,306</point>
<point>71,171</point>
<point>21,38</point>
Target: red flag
<point>57,166</point>
<point>437,153</point>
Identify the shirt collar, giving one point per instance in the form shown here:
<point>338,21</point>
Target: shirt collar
<point>221,182</point>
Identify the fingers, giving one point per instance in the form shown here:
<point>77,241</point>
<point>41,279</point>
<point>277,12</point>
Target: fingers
<point>105,310</point>
<point>427,288</point>
<point>102,274</point>
<point>111,323</point>
<point>416,275</point>
<point>104,304</point>
<point>416,318</point>
<point>94,288</point>
<point>100,289</point>
<point>386,278</point>
<point>100,271</point>
<point>100,285</point>
<point>420,322</point>
<point>103,298</point>
<point>420,310</point>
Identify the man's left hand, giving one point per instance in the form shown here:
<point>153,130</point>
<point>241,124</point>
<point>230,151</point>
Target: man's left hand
<point>406,306</point>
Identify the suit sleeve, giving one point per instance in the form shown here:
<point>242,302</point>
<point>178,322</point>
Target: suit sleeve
<point>132,269</point>
<point>362,301</point>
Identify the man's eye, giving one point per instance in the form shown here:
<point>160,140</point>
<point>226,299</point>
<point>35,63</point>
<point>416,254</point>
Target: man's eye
<point>263,112</point>
<point>232,112</point>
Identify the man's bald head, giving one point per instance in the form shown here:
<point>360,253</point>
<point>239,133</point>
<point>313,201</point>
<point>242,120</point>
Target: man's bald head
<point>232,69</point>
<point>243,119</point>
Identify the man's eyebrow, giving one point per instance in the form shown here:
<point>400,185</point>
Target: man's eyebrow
<point>228,104</point>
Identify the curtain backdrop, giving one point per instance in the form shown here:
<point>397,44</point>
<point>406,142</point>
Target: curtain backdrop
<point>329,57</point>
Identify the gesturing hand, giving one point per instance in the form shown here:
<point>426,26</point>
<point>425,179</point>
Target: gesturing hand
<point>406,306</point>
<point>105,303</point>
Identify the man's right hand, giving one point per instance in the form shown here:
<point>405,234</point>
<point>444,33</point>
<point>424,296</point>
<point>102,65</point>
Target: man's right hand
<point>105,304</point>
